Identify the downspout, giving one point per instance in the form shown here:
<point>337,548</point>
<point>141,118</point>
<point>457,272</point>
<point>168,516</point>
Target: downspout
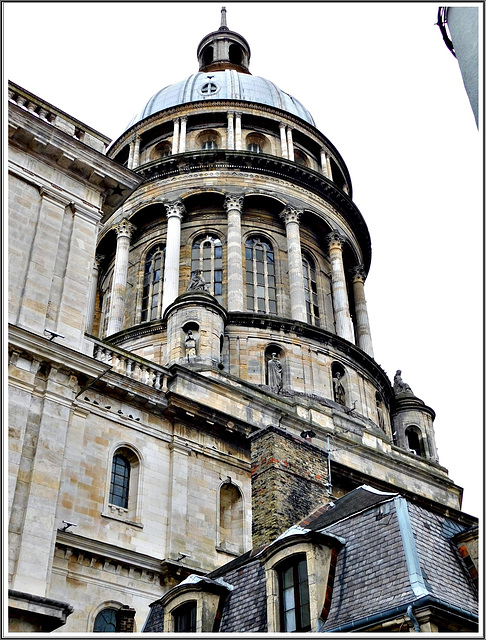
<point>416,625</point>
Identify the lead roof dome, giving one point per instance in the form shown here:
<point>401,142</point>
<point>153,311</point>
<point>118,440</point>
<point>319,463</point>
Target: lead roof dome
<point>223,85</point>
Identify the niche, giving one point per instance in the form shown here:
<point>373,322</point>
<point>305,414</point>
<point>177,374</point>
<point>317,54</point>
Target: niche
<point>339,383</point>
<point>274,368</point>
<point>230,518</point>
<point>190,337</point>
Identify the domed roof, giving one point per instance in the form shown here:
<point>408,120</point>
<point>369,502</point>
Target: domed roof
<point>223,85</point>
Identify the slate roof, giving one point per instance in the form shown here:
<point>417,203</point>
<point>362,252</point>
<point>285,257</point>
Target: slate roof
<point>395,553</point>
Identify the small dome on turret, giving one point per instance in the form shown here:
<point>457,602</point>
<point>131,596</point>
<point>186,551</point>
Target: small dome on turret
<point>223,49</point>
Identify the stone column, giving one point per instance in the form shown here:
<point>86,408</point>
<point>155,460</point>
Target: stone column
<point>93,288</point>
<point>324,163</point>
<point>238,131</point>
<point>294,254</point>
<point>175,136</point>
<point>344,326</point>
<point>182,137</point>
<point>234,205</point>
<point>290,143</point>
<point>175,211</point>
<point>283,141</point>
<point>362,321</point>
<point>328,165</point>
<point>124,230</point>
<point>231,130</point>
<point>130,155</point>
<point>136,152</point>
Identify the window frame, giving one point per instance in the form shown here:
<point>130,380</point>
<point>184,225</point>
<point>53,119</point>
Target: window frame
<point>215,270</point>
<point>116,499</point>
<point>258,278</point>
<point>147,308</point>
<point>311,294</point>
<point>181,609</point>
<point>293,563</point>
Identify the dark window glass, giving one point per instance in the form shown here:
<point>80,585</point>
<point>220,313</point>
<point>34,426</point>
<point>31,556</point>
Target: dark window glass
<point>294,595</point>
<point>105,621</point>
<point>120,481</point>
<point>310,290</point>
<point>185,618</point>
<point>207,253</point>
<point>152,284</point>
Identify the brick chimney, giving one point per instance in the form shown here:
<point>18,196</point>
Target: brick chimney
<point>125,620</point>
<point>289,480</point>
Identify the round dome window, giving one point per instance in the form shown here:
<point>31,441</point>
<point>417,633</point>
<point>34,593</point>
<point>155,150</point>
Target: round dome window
<point>209,89</point>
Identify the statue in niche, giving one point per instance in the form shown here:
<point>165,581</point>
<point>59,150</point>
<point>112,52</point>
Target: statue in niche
<point>381,417</point>
<point>197,282</point>
<point>398,385</point>
<point>274,373</point>
<point>339,390</point>
<point>190,344</point>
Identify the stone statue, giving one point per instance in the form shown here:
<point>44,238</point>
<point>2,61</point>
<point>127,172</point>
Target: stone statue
<point>339,390</point>
<point>190,344</point>
<point>398,385</point>
<point>274,373</point>
<point>197,281</point>
<point>381,417</point>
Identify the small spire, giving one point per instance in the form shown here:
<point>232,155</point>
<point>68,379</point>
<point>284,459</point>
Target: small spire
<point>223,26</point>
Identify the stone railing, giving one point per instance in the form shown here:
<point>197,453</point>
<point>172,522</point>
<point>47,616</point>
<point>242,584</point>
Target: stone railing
<point>132,366</point>
<point>48,113</point>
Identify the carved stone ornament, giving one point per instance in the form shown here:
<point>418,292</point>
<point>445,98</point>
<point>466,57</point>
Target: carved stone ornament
<point>358,273</point>
<point>335,239</point>
<point>289,214</point>
<point>124,229</point>
<point>398,385</point>
<point>233,202</point>
<point>175,208</point>
<point>197,282</point>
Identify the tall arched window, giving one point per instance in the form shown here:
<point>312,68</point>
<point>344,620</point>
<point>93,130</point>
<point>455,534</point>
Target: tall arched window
<point>152,284</point>
<point>105,621</point>
<point>310,290</point>
<point>120,481</point>
<point>207,256</point>
<point>294,594</point>
<point>261,292</point>
<point>415,441</point>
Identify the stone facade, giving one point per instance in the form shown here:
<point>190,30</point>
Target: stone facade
<point>139,403</point>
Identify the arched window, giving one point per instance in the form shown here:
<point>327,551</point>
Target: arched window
<point>162,150</point>
<point>120,481</point>
<point>209,144</point>
<point>185,617</point>
<point>235,54</point>
<point>152,284</point>
<point>294,594</point>
<point>257,143</point>
<point>207,256</point>
<point>300,158</point>
<point>310,290</point>
<point>261,292</point>
<point>208,55</point>
<point>230,518</point>
<point>105,621</point>
<point>253,146</point>
<point>414,441</point>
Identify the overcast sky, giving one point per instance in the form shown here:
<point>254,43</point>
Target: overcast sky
<point>382,86</point>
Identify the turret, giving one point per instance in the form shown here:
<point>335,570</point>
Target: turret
<point>223,49</point>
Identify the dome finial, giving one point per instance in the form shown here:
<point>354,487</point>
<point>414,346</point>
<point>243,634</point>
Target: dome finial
<point>223,26</point>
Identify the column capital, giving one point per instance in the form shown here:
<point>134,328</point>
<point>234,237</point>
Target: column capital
<point>335,239</point>
<point>124,229</point>
<point>358,273</point>
<point>282,125</point>
<point>289,214</point>
<point>238,114</point>
<point>183,118</point>
<point>175,208</point>
<point>233,201</point>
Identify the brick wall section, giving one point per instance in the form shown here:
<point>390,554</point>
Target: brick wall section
<point>125,620</point>
<point>289,476</point>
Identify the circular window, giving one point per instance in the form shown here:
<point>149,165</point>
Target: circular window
<point>208,89</point>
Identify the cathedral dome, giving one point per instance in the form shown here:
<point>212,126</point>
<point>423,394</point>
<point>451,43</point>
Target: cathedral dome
<point>223,85</point>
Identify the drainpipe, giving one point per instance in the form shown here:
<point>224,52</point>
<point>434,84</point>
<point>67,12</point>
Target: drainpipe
<point>416,625</point>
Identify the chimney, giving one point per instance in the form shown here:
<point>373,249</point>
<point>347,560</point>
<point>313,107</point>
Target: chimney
<point>289,481</point>
<point>125,620</point>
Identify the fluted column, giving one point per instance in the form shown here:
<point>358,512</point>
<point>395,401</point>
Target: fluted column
<point>344,326</point>
<point>182,135</point>
<point>234,205</point>
<point>124,230</point>
<point>283,140</point>
<point>362,320</point>
<point>238,131</point>
<point>175,211</point>
<point>290,143</point>
<point>231,130</point>
<point>93,288</point>
<point>136,152</point>
<point>294,255</point>
<point>175,136</point>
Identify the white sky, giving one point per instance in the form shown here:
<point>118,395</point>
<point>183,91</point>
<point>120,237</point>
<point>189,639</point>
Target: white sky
<point>382,86</point>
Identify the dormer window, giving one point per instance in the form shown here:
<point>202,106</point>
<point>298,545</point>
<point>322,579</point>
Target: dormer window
<point>185,617</point>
